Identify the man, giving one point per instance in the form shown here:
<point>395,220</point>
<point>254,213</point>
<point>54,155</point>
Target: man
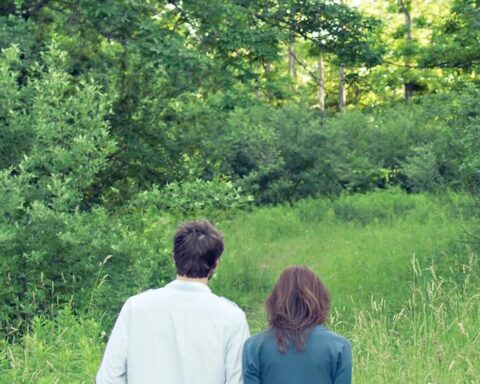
<point>181,333</point>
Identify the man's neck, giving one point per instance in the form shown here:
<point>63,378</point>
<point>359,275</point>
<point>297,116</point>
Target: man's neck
<point>203,280</point>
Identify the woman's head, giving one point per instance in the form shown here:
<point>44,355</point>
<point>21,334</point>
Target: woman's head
<point>298,302</point>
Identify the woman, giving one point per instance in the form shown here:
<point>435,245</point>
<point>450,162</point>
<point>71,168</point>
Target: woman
<point>297,348</point>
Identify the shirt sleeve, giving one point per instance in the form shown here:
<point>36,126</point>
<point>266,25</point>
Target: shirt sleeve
<point>251,373</point>
<point>233,358</point>
<point>344,367</point>
<point>113,369</point>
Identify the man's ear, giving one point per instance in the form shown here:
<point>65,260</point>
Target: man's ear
<point>213,270</point>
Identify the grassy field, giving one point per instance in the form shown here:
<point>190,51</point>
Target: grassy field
<point>362,247</point>
<point>404,282</point>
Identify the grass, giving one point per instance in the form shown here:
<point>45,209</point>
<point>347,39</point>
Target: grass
<point>434,338</point>
<point>360,245</point>
<point>64,350</point>
<point>406,290</point>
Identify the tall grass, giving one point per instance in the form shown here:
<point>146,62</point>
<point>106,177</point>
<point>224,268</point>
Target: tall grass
<point>60,351</point>
<point>406,291</point>
<point>433,338</point>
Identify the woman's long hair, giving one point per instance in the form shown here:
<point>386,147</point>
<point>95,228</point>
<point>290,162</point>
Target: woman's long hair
<point>299,301</point>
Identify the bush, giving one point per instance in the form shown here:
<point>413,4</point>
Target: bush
<point>282,155</point>
<point>289,153</point>
<point>422,170</point>
<point>44,181</point>
<point>53,241</point>
<point>465,137</point>
<point>194,198</point>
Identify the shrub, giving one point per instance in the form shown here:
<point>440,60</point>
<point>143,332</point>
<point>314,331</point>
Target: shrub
<point>194,198</point>
<point>290,158</point>
<point>466,137</point>
<point>421,170</point>
<point>52,239</point>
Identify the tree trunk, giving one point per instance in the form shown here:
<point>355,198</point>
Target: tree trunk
<point>268,70</point>
<point>405,5</point>
<point>292,68</point>
<point>321,85</point>
<point>257,89</point>
<point>342,90</point>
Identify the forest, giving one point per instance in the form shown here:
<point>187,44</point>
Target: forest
<point>339,134</point>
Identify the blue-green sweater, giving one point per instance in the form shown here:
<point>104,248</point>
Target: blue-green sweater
<point>326,359</point>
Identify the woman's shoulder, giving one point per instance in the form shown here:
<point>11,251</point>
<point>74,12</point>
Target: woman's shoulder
<point>263,342</point>
<point>328,335</point>
<point>259,338</point>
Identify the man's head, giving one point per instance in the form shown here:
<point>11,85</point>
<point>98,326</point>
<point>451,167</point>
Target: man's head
<point>197,247</point>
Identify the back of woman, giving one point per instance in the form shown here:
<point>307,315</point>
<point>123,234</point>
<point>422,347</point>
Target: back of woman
<point>297,348</point>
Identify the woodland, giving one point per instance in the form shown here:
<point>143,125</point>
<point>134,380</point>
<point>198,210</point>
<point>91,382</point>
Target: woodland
<point>120,119</point>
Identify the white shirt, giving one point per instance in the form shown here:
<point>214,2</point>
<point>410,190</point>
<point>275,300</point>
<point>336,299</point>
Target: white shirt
<point>179,334</point>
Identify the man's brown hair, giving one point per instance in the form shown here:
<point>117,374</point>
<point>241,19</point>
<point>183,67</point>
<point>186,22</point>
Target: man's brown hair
<point>197,246</point>
<point>299,302</point>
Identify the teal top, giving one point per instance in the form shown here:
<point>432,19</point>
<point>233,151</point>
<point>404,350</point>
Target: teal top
<point>326,359</point>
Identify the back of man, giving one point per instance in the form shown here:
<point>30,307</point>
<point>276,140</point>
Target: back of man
<point>182,333</point>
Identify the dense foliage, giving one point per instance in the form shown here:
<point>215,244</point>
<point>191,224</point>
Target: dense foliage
<point>119,119</point>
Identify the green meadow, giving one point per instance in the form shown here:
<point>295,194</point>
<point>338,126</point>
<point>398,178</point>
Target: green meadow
<point>362,246</point>
<point>401,269</point>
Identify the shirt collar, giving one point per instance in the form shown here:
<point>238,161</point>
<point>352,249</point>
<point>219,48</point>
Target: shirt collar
<point>188,286</point>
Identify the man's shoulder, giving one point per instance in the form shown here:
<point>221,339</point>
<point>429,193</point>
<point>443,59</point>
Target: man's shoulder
<point>145,297</point>
<point>227,306</point>
<point>141,296</point>
<point>220,302</point>
<point>229,302</point>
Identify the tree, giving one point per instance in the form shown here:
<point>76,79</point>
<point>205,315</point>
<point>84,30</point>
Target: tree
<point>321,85</point>
<point>456,39</point>
<point>45,183</point>
<point>406,8</point>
